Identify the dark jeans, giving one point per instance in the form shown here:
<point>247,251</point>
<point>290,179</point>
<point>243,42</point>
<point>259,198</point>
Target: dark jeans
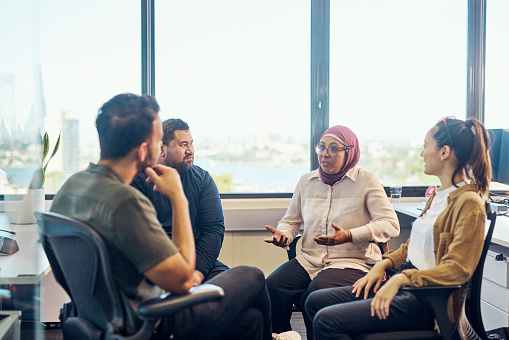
<point>337,314</point>
<point>290,284</point>
<point>243,313</point>
<point>217,269</point>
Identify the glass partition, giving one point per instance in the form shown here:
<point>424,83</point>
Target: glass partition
<point>22,110</point>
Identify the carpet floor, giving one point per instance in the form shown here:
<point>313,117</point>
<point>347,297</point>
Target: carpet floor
<point>33,331</point>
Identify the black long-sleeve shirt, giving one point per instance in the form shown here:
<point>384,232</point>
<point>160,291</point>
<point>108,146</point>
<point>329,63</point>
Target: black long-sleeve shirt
<point>205,211</point>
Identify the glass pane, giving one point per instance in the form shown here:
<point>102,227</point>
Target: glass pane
<point>497,79</point>
<point>393,75</point>
<point>21,122</point>
<point>238,73</point>
<point>21,98</point>
<point>90,52</point>
<point>497,65</point>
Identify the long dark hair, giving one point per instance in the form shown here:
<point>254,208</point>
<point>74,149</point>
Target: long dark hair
<point>471,144</point>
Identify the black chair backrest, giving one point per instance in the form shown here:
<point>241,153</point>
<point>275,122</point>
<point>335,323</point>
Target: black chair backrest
<point>80,262</point>
<point>473,302</point>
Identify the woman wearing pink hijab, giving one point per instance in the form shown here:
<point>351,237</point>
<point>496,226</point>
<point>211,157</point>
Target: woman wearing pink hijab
<point>342,210</point>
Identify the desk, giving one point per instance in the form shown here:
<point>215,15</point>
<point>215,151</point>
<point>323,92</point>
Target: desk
<point>412,209</point>
<point>30,266</point>
<point>500,234</point>
<point>10,325</point>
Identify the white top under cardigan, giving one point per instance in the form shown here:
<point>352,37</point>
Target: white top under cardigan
<point>421,251</point>
<point>357,202</point>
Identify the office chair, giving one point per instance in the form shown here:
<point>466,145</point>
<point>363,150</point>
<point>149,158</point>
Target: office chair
<point>292,252</point>
<point>292,247</point>
<point>466,326</point>
<point>81,265</point>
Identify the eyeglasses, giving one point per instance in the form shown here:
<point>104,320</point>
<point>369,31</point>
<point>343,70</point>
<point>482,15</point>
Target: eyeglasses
<point>447,128</point>
<point>332,151</point>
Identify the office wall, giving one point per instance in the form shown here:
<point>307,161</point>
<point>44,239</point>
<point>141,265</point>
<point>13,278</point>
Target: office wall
<point>245,221</point>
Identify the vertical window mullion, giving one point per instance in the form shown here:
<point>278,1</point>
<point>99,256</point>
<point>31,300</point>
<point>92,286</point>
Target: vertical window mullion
<point>320,51</point>
<point>147,48</point>
<point>476,59</point>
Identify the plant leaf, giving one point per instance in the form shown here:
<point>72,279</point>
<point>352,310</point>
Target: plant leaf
<point>57,145</point>
<point>45,146</point>
<point>55,149</point>
<point>41,142</point>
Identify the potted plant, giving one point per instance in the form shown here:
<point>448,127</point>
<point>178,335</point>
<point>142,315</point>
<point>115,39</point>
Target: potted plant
<point>40,174</point>
<point>22,212</point>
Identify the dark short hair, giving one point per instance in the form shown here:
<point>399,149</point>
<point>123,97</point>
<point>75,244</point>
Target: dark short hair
<point>125,122</point>
<point>169,128</point>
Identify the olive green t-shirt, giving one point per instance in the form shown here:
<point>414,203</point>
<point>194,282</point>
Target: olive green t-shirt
<point>128,224</point>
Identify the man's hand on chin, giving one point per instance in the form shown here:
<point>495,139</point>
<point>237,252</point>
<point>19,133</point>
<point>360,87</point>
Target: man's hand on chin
<point>197,278</point>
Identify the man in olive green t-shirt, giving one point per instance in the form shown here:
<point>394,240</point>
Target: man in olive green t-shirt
<point>144,261</point>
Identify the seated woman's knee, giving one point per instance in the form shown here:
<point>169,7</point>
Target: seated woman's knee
<point>323,324</point>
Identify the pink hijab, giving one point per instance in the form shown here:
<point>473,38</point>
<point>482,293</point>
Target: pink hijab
<point>347,138</point>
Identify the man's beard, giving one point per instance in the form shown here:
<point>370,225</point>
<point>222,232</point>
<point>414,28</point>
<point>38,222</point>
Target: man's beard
<point>180,166</point>
<point>147,163</point>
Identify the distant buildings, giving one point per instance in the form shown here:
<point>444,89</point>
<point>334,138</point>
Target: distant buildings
<point>67,158</point>
<point>70,144</point>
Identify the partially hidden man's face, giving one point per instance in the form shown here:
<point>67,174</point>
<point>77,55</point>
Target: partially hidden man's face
<point>155,142</point>
<point>153,145</point>
<point>179,153</point>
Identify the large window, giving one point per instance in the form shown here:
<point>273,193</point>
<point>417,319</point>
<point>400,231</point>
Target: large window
<point>497,79</point>
<point>90,52</point>
<point>396,68</point>
<point>238,73</point>
<point>21,96</point>
<point>497,65</point>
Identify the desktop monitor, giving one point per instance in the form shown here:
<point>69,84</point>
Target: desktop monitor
<point>499,153</point>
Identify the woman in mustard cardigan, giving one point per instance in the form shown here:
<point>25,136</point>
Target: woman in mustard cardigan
<point>443,249</point>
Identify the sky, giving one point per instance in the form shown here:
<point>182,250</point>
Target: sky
<point>236,68</point>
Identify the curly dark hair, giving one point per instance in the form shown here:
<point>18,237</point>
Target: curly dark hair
<point>124,122</point>
<point>169,128</point>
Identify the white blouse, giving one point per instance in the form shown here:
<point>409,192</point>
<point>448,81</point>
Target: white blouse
<point>421,251</point>
<point>357,202</point>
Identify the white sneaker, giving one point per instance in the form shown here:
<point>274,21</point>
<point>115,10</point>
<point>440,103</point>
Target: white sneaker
<point>290,335</point>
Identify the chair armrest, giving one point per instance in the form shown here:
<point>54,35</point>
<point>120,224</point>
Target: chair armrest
<point>427,289</point>
<point>168,303</point>
<point>437,298</point>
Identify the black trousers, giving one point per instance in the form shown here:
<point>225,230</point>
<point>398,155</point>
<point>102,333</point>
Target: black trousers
<point>337,314</point>
<point>243,313</point>
<point>290,284</point>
